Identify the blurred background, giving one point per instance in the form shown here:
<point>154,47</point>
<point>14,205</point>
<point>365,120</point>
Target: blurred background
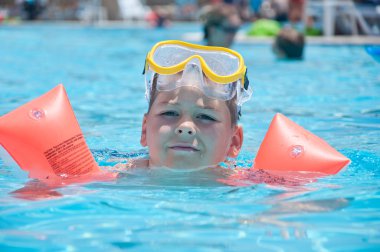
<point>313,17</point>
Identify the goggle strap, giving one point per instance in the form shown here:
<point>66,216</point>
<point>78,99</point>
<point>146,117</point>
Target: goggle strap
<point>246,80</point>
<point>145,64</point>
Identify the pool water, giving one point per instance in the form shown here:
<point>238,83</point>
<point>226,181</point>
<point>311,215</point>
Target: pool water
<point>334,93</point>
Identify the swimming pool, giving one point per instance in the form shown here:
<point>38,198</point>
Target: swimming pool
<point>334,93</point>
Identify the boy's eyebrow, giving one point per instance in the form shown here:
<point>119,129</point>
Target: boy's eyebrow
<point>168,102</point>
<point>209,107</point>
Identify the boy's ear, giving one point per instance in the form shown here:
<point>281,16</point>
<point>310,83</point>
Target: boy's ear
<point>143,141</point>
<point>236,142</point>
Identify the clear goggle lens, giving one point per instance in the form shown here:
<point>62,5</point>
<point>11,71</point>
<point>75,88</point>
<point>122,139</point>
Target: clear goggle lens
<point>219,62</point>
<point>193,76</point>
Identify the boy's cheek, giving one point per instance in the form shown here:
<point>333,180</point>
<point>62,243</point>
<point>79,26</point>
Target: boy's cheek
<point>158,134</point>
<point>165,130</point>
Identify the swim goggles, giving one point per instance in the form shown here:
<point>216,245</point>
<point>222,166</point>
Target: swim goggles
<point>219,72</point>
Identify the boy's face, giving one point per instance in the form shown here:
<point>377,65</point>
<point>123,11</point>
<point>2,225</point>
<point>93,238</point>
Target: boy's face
<point>186,129</point>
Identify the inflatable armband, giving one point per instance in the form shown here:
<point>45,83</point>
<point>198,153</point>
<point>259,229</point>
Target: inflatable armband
<point>44,138</point>
<point>289,147</point>
<point>289,156</point>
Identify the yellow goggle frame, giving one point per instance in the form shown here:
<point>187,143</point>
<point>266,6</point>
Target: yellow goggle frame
<point>238,74</point>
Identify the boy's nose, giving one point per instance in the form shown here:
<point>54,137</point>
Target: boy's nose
<point>185,129</point>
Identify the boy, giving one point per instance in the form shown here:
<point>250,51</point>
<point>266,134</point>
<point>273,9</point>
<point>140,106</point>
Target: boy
<point>195,94</point>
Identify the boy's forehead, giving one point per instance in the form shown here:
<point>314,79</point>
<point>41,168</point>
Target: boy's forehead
<point>191,95</point>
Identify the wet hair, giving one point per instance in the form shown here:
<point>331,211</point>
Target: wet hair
<point>231,104</point>
<point>289,43</point>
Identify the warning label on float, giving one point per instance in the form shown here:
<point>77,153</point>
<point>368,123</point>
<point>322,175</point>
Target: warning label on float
<point>71,157</point>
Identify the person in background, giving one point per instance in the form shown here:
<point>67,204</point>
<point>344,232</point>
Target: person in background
<point>296,14</point>
<point>311,27</point>
<point>221,22</point>
<point>158,17</point>
<point>289,44</point>
<point>32,9</point>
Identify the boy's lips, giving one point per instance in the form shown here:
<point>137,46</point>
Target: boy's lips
<point>183,147</point>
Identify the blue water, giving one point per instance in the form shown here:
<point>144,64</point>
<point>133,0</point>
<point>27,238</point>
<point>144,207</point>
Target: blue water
<point>334,92</point>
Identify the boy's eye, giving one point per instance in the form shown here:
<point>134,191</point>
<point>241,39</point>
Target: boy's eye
<point>206,117</point>
<point>169,113</point>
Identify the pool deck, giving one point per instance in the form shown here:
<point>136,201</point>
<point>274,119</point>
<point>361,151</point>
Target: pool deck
<point>241,37</point>
<point>320,40</point>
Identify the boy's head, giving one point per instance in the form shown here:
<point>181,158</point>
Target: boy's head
<point>192,119</point>
<point>289,44</point>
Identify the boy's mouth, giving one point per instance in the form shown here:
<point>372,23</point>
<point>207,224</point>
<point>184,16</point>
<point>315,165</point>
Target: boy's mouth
<point>183,147</point>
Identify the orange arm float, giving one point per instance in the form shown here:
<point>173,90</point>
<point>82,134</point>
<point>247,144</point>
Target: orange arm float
<point>288,147</point>
<point>44,138</point>
<point>289,156</point>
